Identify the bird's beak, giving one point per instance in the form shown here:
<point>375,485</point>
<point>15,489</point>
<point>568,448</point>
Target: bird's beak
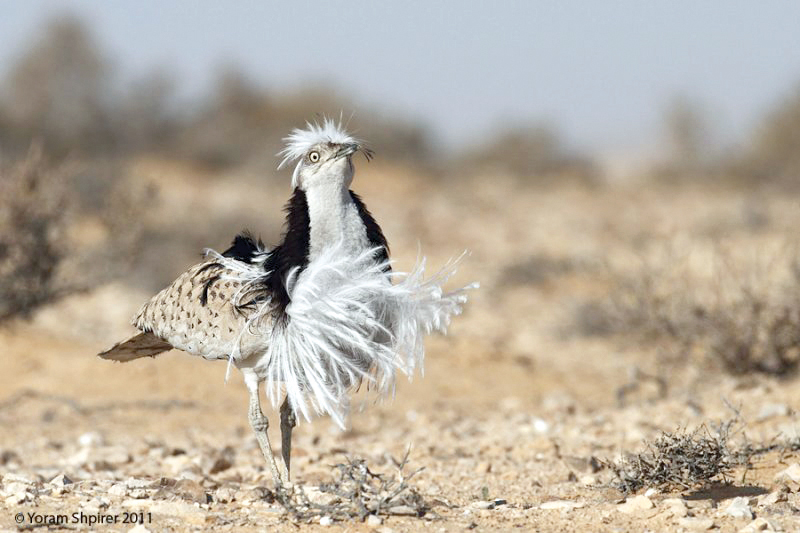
<point>347,149</point>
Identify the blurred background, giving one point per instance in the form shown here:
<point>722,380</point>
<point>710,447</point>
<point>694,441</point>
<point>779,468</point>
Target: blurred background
<point>626,176</point>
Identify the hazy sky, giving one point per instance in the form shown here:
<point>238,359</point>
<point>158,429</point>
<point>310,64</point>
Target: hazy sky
<point>602,71</point>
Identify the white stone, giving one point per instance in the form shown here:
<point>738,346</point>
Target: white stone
<point>772,410</point>
<point>325,521</point>
<point>635,504</point>
<point>772,498</point>
<point>676,507</point>
<point>374,520</point>
<point>402,510</point>
<point>697,524</point>
<point>60,480</point>
<point>650,492</point>
<point>138,529</point>
<point>739,508</point>
<point>483,505</point>
<point>92,438</point>
<point>540,426</point>
<point>561,504</point>
<point>792,473</point>
<point>759,524</point>
<point>118,489</point>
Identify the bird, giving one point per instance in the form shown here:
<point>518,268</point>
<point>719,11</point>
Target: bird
<point>315,316</point>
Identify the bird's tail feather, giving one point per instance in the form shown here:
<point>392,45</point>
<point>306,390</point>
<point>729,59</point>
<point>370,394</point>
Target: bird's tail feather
<point>140,345</point>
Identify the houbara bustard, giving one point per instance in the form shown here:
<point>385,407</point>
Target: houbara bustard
<point>315,316</point>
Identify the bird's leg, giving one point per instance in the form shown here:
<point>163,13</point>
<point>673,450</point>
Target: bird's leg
<point>260,424</point>
<point>288,422</point>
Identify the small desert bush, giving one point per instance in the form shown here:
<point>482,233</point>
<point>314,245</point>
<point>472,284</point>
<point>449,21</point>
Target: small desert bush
<point>744,317</point>
<point>677,461</point>
<point>32,204</point>
<point>356,493</point>
<point>43,254</point>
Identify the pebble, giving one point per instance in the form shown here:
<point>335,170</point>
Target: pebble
<point>772,498</point>
<point>404,510</point>
<point>676,507</point>
<point>374,520</point>
<point>224,495</point>
<point>636,504</point>
<point>561,504</point>
<point>185,511</point>
<point>60,480</point>
<point>772,410</point>
<point>697,524</point>
<point>759,524</point>
<point>739,508</point>
<point>91,438</point>
<point>325,520</point>
<point>189,490</point>
<point>118,489</point>
<point>792,473</point>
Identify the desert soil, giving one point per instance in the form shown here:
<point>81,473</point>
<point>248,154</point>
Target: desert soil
<point>508,422</point>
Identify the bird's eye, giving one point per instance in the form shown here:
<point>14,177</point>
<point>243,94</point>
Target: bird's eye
<point>313,157</point>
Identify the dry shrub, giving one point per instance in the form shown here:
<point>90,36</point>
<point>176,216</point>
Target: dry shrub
<point>356,493</point>
<point>42,255</point>
<point>32,204</point>
<point>677,461</point>
<point>745,318</point>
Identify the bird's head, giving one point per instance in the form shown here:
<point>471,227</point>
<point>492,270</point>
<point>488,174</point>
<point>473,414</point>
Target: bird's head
<point>323,153</point>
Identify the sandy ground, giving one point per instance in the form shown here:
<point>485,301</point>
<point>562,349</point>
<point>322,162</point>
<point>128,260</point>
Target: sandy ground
<point>507,422</point>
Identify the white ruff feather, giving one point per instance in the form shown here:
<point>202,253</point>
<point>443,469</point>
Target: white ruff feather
<point>300,142</point>
<point>348,324</point>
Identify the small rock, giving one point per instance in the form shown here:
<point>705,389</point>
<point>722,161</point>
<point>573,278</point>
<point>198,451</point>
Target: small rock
<point>118,489</point>
<point>483,467</point>
<point>138,493</point>
<point>187,512</point>
<point>315,495</point>
<point>772,410</point>
<point>499,501</point>
<point>697,524</point>
<point>561,504</point>
<point>138,529</point>
<point>325,520</point>
<point>772,498</point>
<point>60,480</point>
<point>635,504</point>
<point>92,438</point>
<point>540,426</point>
<point>374,520</point>
<point>676,507</point>
<point>588,480</point>
<point>19,497</point>
<point>792,473</point>
<point>224,495</point>
<point>403,510</point>
<point>223,461</point>
<point>189,490</point>
<point>759,524</point>
<point>739,508</point>
<point>483,505</point>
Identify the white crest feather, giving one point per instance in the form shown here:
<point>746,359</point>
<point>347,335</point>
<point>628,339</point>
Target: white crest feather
<point>300,141</point>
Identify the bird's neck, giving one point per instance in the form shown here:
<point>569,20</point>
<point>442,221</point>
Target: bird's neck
<point>333,218</point>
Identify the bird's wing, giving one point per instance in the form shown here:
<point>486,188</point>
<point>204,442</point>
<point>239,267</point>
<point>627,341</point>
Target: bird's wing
<point>201,312</point>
